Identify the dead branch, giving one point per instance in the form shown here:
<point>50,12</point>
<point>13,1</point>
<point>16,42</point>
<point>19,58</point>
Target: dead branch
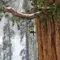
<point>21,15</point>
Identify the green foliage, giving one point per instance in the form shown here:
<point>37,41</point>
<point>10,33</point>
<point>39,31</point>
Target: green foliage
<point>16,19</point>
<point>58,11</point>
<point>2,6</point>
<point>53,10</point>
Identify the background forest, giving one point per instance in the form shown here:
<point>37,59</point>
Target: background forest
<point>18,39</point>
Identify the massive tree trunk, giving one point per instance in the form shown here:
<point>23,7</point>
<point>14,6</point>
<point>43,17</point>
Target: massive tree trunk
<point>48,38</point>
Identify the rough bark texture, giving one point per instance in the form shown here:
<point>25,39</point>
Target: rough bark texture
<point>48,37</point>
<point>57,1</point>
<point>52,1</point>
<point>39,39</point>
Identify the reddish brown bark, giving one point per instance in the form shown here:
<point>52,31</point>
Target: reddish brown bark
<point>57,1</point>
<point>48,38</point>
<point>39,39</point>
<point>47,2</point>
<point>57,30</point>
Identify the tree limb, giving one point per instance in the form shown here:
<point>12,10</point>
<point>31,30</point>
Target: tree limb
<point>21,15</point>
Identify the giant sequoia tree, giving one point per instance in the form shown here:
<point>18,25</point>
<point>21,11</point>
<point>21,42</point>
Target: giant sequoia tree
<point>47,16</point>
